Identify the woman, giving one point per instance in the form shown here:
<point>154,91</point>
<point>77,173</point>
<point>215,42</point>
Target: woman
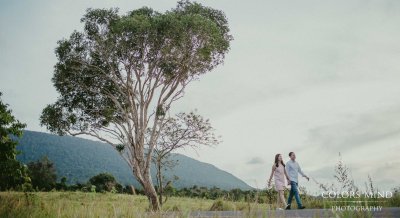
<point>279,173</point>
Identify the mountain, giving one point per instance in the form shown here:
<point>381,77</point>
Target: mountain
<point>79,159</point>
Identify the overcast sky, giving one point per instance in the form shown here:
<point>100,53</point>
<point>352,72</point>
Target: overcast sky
<point>313,77</point>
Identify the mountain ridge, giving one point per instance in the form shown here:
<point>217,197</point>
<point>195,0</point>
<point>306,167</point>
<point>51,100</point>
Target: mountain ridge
<point>78,159</point>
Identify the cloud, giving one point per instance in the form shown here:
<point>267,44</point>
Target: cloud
<point>357,130</point>
<point>256,160</point>
<point>315,77</point>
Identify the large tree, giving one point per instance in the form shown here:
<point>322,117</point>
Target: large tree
<point>12,172</point>
<point>118,78</point>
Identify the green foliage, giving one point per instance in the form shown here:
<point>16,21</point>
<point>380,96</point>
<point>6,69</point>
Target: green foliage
<point>43,174</point>
<point>395,200</point>
<point>221,205</point>
<point>169,189</point>
<point>104,182</point>
<point>93,188</point>
<point>180,44</point>
<point>62,185</point>
<point>12,172</point>
<point>27,187</point>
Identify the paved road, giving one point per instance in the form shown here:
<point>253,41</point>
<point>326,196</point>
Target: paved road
<point>385,212</point>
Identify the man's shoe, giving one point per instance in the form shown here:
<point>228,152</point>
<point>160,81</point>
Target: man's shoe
<point>302,207</point>
<point>287,207</point>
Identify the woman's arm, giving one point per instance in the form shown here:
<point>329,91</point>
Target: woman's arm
<point>272,174</point>
<point>287,177</point>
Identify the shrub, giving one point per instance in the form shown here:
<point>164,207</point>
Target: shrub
<point>221,205</point>
<point>104,182</point>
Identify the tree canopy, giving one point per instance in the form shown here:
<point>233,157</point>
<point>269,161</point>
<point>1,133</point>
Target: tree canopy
<point>118,61</point>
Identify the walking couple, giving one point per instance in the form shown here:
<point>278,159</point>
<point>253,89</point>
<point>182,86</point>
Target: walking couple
<point>291,171</point>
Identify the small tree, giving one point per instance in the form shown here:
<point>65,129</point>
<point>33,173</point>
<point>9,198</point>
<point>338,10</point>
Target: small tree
<point>120,76</point>
<point>186,130</point>
<point>12,172</point>
<point>168,190</point>
<point>62,185</point>
<point>343,177</point>
<point>43,174</point>
<point>104,182</point>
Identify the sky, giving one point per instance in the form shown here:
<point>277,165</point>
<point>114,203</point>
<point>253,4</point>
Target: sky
<point>315,77</point>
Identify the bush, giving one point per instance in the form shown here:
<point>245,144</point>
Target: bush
<point>104,182</point>
<point>62,185</point>
<point>221,205</point>
<point>27,187</point>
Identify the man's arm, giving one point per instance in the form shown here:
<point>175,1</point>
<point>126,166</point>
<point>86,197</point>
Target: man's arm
<point>301,172</point>
<point>288,169</point>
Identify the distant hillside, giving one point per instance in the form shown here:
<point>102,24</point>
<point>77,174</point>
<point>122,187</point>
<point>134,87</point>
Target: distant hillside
<point>79,159</point>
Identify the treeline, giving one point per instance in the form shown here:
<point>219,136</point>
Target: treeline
<point>44,178</point>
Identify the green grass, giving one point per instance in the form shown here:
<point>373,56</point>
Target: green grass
<point>85,204</point>
<point>82,204</point>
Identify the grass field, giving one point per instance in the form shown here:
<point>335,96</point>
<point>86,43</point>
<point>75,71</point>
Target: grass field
<point>82,204</point>
<point>86,204</point>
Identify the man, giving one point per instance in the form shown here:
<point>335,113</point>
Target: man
<point>293,169</point>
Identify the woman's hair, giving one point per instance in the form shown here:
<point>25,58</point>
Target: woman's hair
<point>276,160</point>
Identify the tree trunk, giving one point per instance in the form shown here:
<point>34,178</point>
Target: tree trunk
<point>151,195</point>
<point>133,190</point>
<point>144,178</point>
<point>160,182</point>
